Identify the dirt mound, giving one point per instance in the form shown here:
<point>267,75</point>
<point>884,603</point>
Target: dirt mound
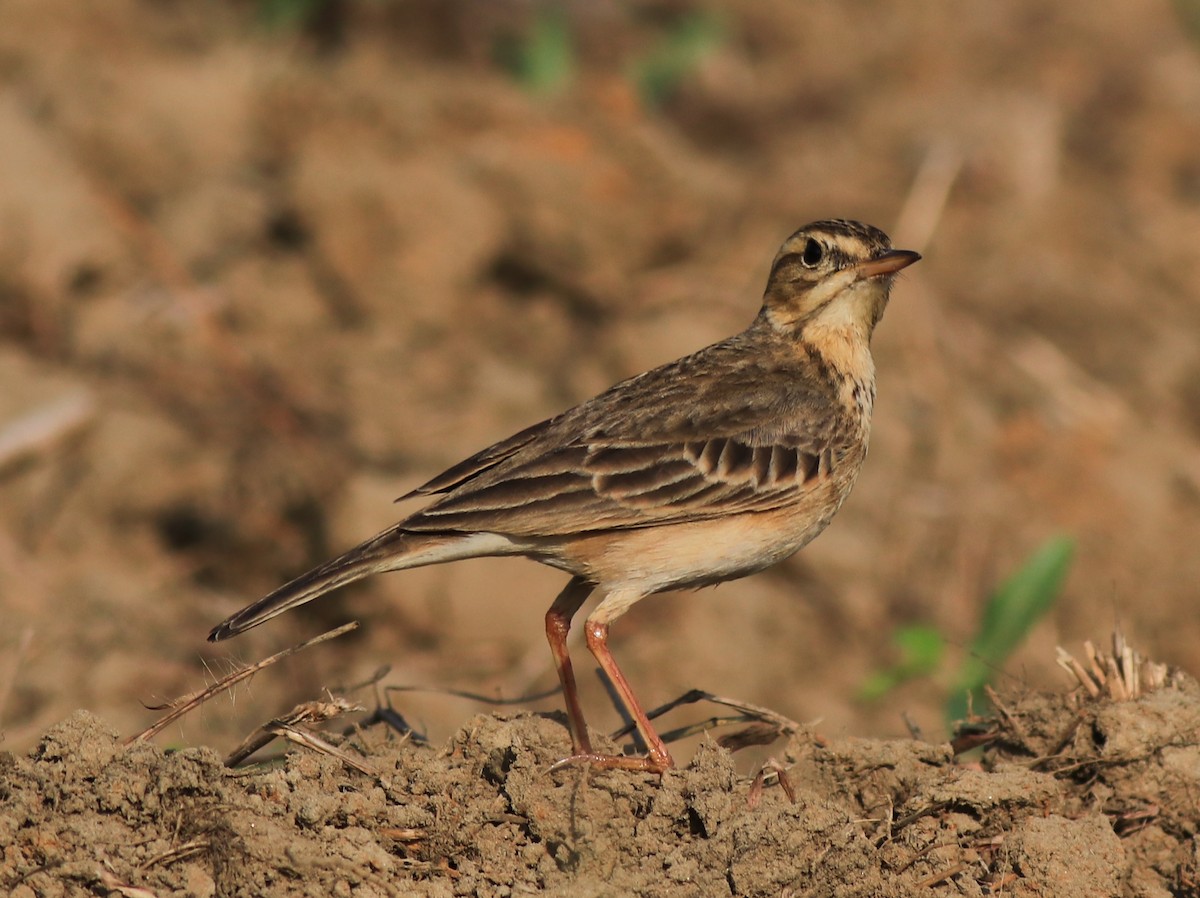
<point>1072,797</point>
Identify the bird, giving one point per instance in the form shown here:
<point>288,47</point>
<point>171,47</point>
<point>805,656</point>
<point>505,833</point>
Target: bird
<point>706,469</point>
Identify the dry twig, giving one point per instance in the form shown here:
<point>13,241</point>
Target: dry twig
<point>308,739</point>
<point>783,726</point>
<point>190,702</point>
<point>289,725</point>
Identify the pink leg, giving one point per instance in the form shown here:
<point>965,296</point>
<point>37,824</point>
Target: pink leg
<point>558,624</point>
<point>659,759</point>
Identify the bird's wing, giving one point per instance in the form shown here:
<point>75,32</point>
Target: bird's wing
<point>481,461</point>
<point>602,487</point>
<point>703,437</point>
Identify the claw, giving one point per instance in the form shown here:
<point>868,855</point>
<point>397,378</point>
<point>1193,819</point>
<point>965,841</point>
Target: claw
<point>647,764</point>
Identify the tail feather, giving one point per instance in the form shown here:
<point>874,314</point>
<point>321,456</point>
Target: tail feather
<point>312,585</point>
<point>389,551</point>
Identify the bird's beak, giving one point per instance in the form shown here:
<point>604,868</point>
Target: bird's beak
<point>888,263</point>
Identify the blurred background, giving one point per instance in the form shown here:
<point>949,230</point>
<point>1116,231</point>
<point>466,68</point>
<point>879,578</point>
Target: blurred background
<point>265,266</point>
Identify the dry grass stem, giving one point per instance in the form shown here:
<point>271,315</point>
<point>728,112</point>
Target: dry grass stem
<point>308,739</point>
<point>303,715</point>
<point>35,433</point>
<point>922,210</point>
<point>474,696</point>
<point>179,852</point>
<point>1121,675</point>
<point>939,878</point>
<point>782,726</point>
<point>186,703</point>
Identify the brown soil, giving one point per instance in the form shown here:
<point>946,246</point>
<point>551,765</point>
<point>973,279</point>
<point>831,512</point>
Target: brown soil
<point>1073,799</point>
<point>265,280</point>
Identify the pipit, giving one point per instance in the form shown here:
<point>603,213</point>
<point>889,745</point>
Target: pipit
<point>706,469</point>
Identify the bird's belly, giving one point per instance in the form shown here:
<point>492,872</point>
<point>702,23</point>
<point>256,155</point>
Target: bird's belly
<point>698,553</point>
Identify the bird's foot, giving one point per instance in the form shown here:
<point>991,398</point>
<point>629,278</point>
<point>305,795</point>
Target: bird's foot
<point>647,764</point>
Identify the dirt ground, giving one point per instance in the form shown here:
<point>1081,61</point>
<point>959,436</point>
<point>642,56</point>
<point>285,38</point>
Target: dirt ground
<point>1073,797</point>
<point>258,280</point>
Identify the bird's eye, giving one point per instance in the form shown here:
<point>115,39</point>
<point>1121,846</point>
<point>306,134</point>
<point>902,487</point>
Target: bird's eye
<point>813,253</point>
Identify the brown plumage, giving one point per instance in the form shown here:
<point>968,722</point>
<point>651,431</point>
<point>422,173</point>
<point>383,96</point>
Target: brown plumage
<point>706,469</point>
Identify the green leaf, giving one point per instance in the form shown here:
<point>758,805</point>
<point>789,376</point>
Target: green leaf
<point>283,14</point>
<point>1188,12</point>
<point>659,73</point>
<point>921,650</point>
<point>543,59</point>
<point>1009,616</point>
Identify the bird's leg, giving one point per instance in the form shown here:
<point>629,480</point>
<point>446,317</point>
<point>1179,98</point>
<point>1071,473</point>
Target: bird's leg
<point>558,624</point>
<point>613,606</point>
<point>660,759</point>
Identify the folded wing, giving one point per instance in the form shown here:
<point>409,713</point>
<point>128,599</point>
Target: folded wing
<point>595,468</point>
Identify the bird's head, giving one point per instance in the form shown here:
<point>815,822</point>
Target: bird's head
<point>835,275</point>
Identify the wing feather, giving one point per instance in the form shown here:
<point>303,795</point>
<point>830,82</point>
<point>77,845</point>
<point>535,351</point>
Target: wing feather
<point>481,461</point>
<point>692,440</point>
<point>633,487</point>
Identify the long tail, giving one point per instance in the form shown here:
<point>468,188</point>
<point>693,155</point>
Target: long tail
<point>392,550</point>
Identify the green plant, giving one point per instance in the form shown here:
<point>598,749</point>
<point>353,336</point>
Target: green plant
<point>1188,12</point>
<point>681,50</point>
<point>543,58</point>
<point>282,14</point>
<point>1010,614</point>
<point>921,651</point>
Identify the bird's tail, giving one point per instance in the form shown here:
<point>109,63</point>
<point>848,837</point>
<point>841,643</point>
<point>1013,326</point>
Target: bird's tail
<point>391,550</point>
